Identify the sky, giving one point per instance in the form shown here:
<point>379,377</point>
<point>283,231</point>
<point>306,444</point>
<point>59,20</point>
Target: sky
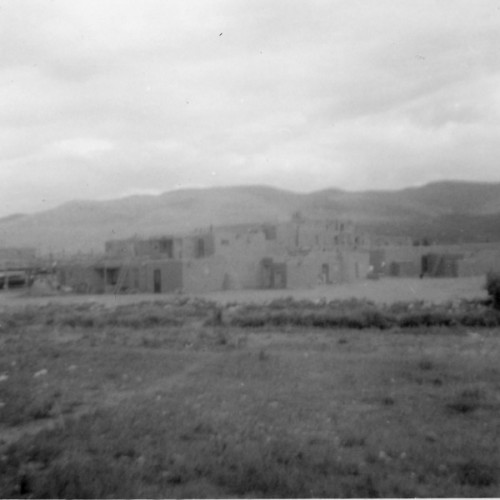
<point>106,98</point>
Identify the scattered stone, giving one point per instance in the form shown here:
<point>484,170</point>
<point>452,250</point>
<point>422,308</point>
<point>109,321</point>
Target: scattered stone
<point>41,373</point>
<point>474,335</point>
<point>2,404</point>
<point>72,368</point>
<point>3,377</point>
<point>431,437</point>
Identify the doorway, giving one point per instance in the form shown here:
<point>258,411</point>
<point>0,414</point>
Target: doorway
<point>157,281</point>
<point>325,273</point>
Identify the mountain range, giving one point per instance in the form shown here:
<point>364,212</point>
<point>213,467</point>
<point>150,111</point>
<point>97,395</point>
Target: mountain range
<point>444,212</point>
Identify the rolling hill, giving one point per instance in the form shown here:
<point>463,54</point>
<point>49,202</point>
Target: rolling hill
<point>443,212</point>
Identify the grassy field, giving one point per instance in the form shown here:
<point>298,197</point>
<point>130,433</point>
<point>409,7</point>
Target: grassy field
<point>169,399</point>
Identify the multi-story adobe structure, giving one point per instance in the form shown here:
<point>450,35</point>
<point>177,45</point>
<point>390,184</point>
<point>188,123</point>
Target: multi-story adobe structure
<point>434,260</point>
<point>298,254</point>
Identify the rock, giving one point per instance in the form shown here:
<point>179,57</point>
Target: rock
<point>41,373</point>
<point>431,437</point>
<point>3,377</point>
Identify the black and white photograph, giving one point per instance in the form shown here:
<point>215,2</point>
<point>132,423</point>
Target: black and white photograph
<point>249,249</point>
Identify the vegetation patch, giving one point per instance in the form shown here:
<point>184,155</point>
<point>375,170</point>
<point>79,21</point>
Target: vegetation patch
<point>477,473</point>
<point>493,288</point>
<point>279,313</point>
<point>186,405</point>
<point>362,314</point>
<point>467,400</point>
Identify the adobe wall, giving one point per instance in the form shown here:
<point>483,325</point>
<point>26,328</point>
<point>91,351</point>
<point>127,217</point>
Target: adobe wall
<point>355,265</point>
<point>307,271</point>
<point>166,247</point>
<point>343,267</point>
<point>409,269</point>
<point>81,277</point>
<point>243,254</point>
<point>229,243</point>
<point>479,262</point>
<point>470,259</point>
<point>120,248</point>
<point>204,275</point>
<point>135,277</point>
<point>241,273</point>
<point>191,246</point>
<point>319,235</point>
<point>171,276</point>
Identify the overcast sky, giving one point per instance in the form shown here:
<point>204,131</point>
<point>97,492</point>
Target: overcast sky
<point>101,99</point>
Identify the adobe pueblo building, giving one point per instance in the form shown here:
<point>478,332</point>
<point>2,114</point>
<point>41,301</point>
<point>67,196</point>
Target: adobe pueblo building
<point>297,254</point>
<point>404,259</point>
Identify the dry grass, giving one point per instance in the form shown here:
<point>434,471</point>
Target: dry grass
<point>95,406</point>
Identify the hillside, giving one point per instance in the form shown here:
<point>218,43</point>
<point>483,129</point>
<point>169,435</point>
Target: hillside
<point>444,211</point>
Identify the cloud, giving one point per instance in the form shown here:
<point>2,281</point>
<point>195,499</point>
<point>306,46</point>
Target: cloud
<point>116,96</point>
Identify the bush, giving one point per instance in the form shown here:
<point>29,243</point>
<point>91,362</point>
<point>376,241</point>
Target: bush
<point>493,288</point>
<point>477,473</point>
<point>467,401</point>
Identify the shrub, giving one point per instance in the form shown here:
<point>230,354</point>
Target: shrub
<point>476,473</point>
<point>77,478</point>
<point>493,288</point>
<point>466,401</point>
<point>352,440</point>
<point>425,364</point>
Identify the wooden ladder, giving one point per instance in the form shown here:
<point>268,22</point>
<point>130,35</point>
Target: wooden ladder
<point>435,268</point>
<point>122,276</point>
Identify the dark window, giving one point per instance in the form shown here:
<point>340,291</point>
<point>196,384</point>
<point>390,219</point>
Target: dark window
<point>269,232</point>
<point>157,281</point>
<point>112,277</point>
<point>325,273</point>
<point>167,247</point>
<point>201,248</point>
